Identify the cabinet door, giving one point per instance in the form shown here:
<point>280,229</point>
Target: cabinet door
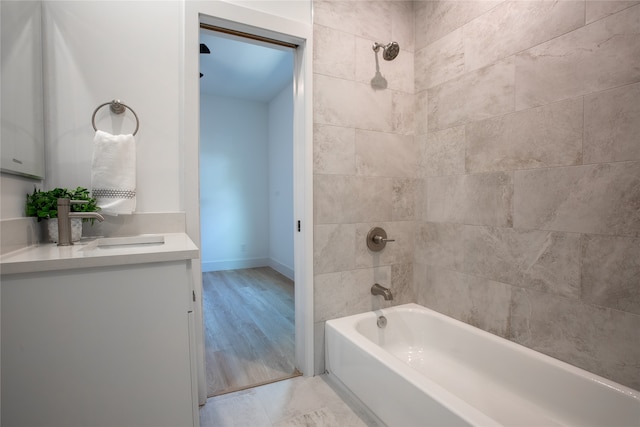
<point>99,347</point>
<point>22,100</point>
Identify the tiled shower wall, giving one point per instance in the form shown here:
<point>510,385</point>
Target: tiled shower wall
<point>506,165</point>
<point>528,120</point>
<point>365,157</point>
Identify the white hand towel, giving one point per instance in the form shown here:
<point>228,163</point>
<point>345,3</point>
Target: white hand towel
<point>113,173</point>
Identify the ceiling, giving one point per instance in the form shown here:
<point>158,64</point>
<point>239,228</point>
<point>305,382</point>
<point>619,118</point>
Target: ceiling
<point>243,68</point>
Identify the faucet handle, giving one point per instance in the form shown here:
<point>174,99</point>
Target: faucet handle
<point>377,239</point>
<point>78,202</point>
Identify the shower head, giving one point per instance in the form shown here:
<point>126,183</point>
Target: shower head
<point>389,51</point>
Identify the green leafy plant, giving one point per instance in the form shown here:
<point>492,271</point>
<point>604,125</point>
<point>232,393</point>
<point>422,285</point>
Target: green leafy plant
<point>44,204</point>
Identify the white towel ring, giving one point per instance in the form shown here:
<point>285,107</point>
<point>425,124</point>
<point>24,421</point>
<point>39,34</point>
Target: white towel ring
<point>116,107</point>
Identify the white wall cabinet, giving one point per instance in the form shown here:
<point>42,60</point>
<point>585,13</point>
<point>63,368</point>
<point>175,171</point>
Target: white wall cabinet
<point>21,86</point>
<point>106,346</point>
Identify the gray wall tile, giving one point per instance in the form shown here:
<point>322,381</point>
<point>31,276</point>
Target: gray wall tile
<point>440,61</point>
<point>598,56</point>
<point>563,75</point>
<point>541,260</point>
<point>348,292</point>
<point>612,125</point>
<point>489,199</point>
<point>481,199</point>
<point>402,283</point>
<point>327,59</point>
<point>513,26</point>
<point>334,150</point>
<point>539,137</point>
<point>334,200</point>
<point>436,19</point>
<point>421,113</point>
<point>478,302</point>
<point>404,199</point>
<point>334,101</point>
<point>347,103</point>
<point>600,340</point>
<point>402,13</point>
<point>444,152</point>
<point>318,348</point>
<point>333,248</point>
<point>601,9</point>
<point>602,199</point>
<point>446,199</point>
<point>373,159</point>
<point>403,111</point>
<point>478,95</point>
<point>611,272</point>
<point>440,245</point>
<point>364,19</point>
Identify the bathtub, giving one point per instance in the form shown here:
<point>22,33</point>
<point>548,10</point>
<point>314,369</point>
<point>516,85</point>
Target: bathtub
<point>427,369</point>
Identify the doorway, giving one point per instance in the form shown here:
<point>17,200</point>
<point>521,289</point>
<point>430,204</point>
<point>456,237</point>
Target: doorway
<point>246,210</point>
<point>291,26</point>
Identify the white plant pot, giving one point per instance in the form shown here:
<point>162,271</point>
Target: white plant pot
<point>76,229</point>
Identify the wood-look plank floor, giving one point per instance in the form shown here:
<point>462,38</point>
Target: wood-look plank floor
<point>249,329</point>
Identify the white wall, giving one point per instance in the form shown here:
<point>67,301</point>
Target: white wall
<point>281,222</point>
<point>100,50</point>
<point>234,196</point>
<point>246,182</point>
<point>298,10</point>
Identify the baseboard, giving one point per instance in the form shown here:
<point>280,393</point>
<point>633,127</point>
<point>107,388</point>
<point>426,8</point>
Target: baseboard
<point>234,264</point>
<point>237,264</point>
<point>282,269</point>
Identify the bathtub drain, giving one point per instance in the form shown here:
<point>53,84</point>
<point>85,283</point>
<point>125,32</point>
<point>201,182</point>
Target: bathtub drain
<point>382,322</point>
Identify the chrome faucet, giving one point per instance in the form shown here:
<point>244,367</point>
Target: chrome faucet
<point>377,289</point>
<point>64,219</point>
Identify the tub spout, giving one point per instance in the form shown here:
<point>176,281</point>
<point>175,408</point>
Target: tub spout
<point>377,289</point>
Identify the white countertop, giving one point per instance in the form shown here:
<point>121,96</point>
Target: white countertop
<point>87,254</point>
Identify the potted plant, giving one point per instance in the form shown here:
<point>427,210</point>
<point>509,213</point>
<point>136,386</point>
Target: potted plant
<point>44,205</point>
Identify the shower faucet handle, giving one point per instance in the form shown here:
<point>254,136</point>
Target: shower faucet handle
<point>377,239</point>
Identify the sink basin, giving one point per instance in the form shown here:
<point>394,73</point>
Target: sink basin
<point>130,241</point>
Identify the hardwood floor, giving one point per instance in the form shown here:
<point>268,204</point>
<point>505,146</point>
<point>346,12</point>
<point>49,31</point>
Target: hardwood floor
<point>249,329</point>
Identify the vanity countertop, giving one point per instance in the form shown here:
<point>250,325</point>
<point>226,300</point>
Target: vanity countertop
<point>87,253</point>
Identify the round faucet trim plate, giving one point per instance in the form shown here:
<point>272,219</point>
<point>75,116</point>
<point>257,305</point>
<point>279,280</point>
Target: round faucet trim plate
<point>377,239</point>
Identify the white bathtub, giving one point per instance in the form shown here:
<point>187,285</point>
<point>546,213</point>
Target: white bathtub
<point>426,369</point>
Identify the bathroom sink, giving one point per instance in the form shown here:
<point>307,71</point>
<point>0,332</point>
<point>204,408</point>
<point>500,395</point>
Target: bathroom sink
<point>129,241</point>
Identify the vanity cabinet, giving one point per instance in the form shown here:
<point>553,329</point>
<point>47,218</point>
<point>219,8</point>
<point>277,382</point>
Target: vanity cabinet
<point>101,346</point>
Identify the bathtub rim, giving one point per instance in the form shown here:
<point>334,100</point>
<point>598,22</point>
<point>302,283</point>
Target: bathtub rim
<point>346,327</point>
<point>350,322</point>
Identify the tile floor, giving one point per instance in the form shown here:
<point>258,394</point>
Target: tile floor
<point>301,401</point>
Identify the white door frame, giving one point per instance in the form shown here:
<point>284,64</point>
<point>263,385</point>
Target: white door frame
<point>252,21</point>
